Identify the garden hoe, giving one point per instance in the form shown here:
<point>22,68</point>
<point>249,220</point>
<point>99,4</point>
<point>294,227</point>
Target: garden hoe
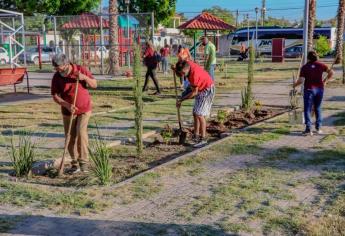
<point>182,134</point>
<point>68,134</point>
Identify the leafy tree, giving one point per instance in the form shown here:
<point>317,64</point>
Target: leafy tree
<point>49,7</point>
<point>322,46</point>
<point>272,21</point>
<point>222,13</point>
<point>163,9</point>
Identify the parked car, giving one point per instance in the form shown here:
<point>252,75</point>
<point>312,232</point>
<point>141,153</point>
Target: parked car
<point>294,51</point>
<point>32,55</point>
<point>98,53</point>
<point>4,58</point>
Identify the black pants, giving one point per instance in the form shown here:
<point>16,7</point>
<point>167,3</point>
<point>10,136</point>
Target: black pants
<point>151,72</point>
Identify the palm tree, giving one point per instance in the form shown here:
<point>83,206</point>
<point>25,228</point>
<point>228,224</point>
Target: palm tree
<point>113,37</point>
<point>340,32</point>
<point>311,23</point>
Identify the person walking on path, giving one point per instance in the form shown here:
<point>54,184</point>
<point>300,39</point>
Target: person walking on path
<point>63,87</point>
<point>210,56</point>
<point>202,89</point>
<point>165,52</point>
<point>151,62</point>
<point>311,76</point>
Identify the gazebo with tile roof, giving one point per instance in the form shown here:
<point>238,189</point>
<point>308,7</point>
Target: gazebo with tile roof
<point>207,22</point>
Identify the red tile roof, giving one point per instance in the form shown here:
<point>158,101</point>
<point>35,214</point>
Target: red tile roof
<point>206,21</point>
<point>86,21</point>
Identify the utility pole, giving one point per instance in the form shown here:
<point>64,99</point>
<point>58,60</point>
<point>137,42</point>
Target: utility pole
<point>263,12</point>
<point>248,35</point>
<point>256,28</point>
<point>237,14</point>
<point>305,31</point>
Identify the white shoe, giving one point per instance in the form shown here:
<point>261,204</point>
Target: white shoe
<point>319,131</point>
<point>200,144</point>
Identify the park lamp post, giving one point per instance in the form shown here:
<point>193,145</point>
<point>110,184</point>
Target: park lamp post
<point>256,28</point>
<point>127,2</point>
<point>305,31</point>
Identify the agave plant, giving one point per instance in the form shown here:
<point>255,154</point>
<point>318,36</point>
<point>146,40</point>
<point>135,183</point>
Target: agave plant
<point>100,155</point>
<point>22,153</point>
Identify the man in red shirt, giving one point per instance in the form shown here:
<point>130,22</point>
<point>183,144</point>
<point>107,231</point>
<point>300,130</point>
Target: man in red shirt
<point>63,92</point>
<point>202,88</point>
<point>311,74</point>
<point>165,52</point>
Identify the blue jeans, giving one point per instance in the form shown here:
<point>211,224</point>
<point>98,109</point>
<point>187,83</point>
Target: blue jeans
<point>313,97</point>
<point>165,64</point>
<point>211,71</point>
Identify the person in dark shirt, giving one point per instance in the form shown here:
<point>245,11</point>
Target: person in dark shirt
<point>312,77</point>
<point>151,64</point>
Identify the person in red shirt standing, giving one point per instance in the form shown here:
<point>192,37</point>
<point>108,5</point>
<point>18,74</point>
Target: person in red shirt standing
<point>202,88</point>
<point>63,91</point>
<point>151,64</point>
<point>311,74</point>
<point>165,52</point>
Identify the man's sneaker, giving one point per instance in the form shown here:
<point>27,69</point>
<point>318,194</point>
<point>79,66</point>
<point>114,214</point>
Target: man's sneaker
<point>84,168</point>
<point>201,143</point>
<point>308,132</point>
<point>74,170</point>
<point>319,131</point>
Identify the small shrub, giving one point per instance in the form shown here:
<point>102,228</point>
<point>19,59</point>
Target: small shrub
<point>221,116</point>
<point>100,155</point>
<point>322,46</point>
<point>167,134</point>
<point>258,105</point>
<point>247,99</point>
<point>246,94</point>
<point>22,153</point>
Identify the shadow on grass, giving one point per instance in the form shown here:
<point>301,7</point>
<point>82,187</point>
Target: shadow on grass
<point>38,225</point>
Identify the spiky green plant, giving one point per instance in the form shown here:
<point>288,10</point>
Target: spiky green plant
<point>22,153</point>
<point>100,155</point>
<point>247,94</point>
<point>138,100</point>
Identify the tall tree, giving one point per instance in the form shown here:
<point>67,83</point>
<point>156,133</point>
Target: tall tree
<point>340,32</point>
<point>311,23</point>
<point>222,13</point>
<point>113,37</point>
<point>163,9</point>
<point>49,7</point>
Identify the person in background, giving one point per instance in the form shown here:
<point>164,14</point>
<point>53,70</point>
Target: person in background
<point>311,76</point>
<point>63,91</point>
<point>165,52</point>
<point>210,56</point>
<point>202,89</point>
<point>243,52</point>
<point>151,62</point>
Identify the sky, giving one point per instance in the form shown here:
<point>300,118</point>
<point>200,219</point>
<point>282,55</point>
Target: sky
<point>325,8</point>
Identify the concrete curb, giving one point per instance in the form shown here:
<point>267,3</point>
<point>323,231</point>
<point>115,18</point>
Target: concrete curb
<point>187,155</point>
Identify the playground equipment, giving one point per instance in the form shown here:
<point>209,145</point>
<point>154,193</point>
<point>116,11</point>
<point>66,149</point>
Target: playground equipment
<point>12,35</point>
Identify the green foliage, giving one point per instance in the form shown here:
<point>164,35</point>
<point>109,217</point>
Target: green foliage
<point>50,7</point>
<point>247,94</point>
<point>163,9</point>
<point>167,134</point>
<point>222,13</point>
<point>100,155</point>
<point>22,153</point>
<point>222,115</point>
<point>138,100</point>
<point>322,46</point>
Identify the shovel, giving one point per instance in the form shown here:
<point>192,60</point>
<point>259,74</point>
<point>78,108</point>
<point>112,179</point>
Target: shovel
<point>68,134</point>
<point>182,134</point>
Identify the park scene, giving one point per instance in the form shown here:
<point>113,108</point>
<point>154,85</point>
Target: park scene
<point>171,117</point>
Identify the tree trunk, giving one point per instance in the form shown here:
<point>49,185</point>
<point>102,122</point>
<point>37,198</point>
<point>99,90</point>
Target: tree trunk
<point>113,38</point>
<point>311,23</point>
<point>340,32</point>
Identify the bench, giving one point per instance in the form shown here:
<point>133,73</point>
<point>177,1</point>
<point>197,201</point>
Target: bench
<point>13,76</point>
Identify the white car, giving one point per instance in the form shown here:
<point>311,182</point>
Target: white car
<point>4,58</point>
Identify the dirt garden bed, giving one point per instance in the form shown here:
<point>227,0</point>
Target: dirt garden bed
<point>158,150</point>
